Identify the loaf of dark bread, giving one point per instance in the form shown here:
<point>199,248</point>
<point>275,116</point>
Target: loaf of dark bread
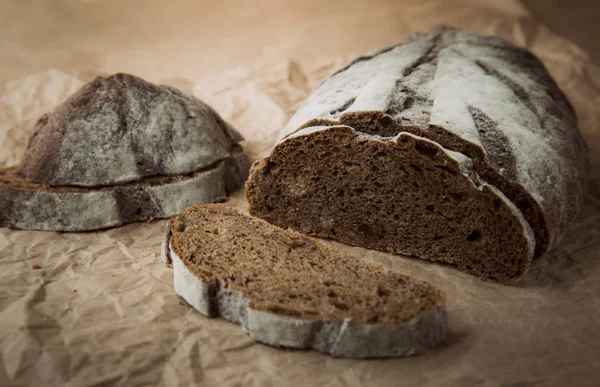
<point>450,146</point>
<point>286,289</point>
<point>121,150</point>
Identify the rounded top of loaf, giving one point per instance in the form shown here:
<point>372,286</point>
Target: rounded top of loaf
<point>122,128</point>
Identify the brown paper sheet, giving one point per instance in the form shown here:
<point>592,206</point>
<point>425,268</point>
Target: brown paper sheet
<point>101,310</point>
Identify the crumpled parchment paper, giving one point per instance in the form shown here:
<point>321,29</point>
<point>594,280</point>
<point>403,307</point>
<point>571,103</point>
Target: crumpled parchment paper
<point>99,308</point>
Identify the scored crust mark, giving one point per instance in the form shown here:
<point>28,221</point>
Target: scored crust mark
<point>404,195</point>
<point>406,93</point>
<point>288,290</point>
<point>429,57</point>
<point>335,112</point>
<point>365,58</point>
<point>411,38</point>
<point>49,141</point>
<point>519,57</point>
<point>496,143</point>
<point>458,84</point>
<point>519,91</point>
<point>129,102</point>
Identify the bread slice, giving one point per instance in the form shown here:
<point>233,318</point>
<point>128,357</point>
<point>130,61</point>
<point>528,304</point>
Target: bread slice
<point>404,195</point>
<point>121,150</point>
<point>288,290</point>
<point>488,105</point>
<point>31,206</point>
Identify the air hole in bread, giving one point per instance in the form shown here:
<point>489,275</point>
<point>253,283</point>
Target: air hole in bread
<point>475,235</point>
<point>458,196</point>
<point>382,292</point>
<point>447,169</point>
<point>341,306</point>
<point>426,149</point>
<point>416,168</point>
<point>366,231</point>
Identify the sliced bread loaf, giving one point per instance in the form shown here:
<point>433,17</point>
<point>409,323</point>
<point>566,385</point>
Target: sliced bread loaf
<point>449,146</point>
<point>288,290</point>
<point>120,150</point>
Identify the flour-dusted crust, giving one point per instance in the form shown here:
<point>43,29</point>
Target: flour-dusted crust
<point>477,95</point>
<point>122,128</point>
<point>117,151</point>
<point>335,336</point>
<point>34,207</point>
<point>338,338</point>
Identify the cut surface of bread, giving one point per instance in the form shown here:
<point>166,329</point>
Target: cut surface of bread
<point>403,195</point>
<point>286,289</point>
<point>121,150</point>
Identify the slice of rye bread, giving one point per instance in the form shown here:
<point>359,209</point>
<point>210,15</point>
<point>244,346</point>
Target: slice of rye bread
<point>288,290</point>
<point>121,150</point>
<point>404,195</point>
<point>480,96</point>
